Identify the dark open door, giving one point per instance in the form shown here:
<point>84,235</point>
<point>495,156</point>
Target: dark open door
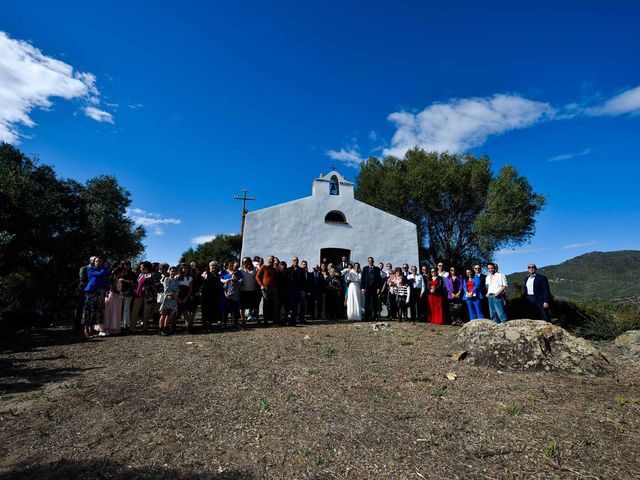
<point>334,255</point>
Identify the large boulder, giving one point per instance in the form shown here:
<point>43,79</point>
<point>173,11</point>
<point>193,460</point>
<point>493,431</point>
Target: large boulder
<point>630,341</point>
<point>529,345</point>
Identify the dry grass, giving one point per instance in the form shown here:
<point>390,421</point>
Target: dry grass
<point>348,402</point>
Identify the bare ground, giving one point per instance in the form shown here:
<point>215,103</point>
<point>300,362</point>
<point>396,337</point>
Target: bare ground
<point>320,401</point>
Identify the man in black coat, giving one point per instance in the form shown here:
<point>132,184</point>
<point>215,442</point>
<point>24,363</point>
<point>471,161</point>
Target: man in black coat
<point>211,296</point>
<point>371,285</point>
<point>298,287</point>
<point>538,292</point>
<point>315,290</point>
<point>343,264</point>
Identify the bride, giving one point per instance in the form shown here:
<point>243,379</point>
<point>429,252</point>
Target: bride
<point>354,295</point>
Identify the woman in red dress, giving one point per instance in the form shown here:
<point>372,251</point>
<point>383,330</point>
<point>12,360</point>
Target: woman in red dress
<point>435,296</point>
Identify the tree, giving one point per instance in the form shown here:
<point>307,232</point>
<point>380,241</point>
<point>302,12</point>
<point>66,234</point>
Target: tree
<point>108,228</point>
<point>463,212</point>
<point>50,226</point>
<point>222,248</point>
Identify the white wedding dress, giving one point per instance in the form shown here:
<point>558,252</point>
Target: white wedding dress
<point>355,302</point>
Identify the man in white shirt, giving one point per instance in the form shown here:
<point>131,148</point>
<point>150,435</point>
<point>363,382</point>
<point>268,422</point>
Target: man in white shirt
<point>538,293</point>
<point>416,282</point>
<point>441,271</point>
<point>496,289</point>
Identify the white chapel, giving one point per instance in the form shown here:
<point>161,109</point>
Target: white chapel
<point>330,224</point>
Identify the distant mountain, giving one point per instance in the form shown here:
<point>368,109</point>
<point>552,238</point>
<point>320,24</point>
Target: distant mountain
<point>592,276</point>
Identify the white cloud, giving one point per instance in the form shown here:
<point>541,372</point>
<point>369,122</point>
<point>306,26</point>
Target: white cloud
<point>98,115</point>
<point>202,239</point>
<point>626,102</point>
<point>567,156</point>
<point>571,246</point>
<point>373,136</point>
<point>29,79</point>
<point>351,157</point>
<point>509,251</point>
<point>151,220</point>
<point>136,211</point>
<point>135,106</point>
<point>460,124</point>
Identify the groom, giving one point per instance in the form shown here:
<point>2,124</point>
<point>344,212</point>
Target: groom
<point>371,284</point>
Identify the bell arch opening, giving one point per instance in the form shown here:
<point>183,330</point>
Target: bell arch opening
<point>335,216</point>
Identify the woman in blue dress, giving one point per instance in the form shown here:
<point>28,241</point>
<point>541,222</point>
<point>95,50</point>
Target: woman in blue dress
<point>95,291</point>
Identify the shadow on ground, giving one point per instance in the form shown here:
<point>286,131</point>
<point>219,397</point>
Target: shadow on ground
<point>38,338</point>
<point>108,469</point>
<point>19,377</point>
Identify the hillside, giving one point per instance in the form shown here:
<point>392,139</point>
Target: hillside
<point>593,276</point>
<point>341,401</point>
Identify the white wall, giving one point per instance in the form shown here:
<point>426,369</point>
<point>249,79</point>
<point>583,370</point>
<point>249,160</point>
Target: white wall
<point>297,228</point>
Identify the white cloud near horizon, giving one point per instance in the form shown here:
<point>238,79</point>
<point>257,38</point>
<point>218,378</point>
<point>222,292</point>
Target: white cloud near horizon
<point>29,80</point>
<point>154,221</point>
<point>518,251</point>
<point>568,156</point>
<point>460,124</point>
<point>199,240</point>
<point>510,251</point>
<point>571,246</point>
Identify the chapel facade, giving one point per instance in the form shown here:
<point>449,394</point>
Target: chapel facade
<point>330,224</point>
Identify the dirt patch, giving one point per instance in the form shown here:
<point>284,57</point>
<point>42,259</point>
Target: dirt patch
<point>320,401</point>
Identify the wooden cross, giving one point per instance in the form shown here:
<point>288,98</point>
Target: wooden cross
<point>244,199</point>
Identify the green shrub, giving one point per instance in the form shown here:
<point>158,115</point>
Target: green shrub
<point>594,320</point>
<point>607,320</point>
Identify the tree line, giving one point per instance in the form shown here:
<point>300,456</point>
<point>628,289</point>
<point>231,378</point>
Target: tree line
<point>50,226</point>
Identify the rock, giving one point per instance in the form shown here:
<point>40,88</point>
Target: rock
<point>529,345</point>
<point>630,341</point>
<point>451,376</point>
<point>459,355</point>
<point>381,326</point>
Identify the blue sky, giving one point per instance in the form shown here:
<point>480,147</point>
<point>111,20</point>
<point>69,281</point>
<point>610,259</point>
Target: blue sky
<point>189,102</point>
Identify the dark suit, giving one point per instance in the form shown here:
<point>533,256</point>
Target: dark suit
<point>210,298</point>
<point>315,290</point>
<point>484,300</point>
<point>371,283</point>
<point>541,295</point>
<point>298,299</point>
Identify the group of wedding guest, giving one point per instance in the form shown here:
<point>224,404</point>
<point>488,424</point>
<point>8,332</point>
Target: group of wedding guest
<point>439,296</point>
<point>120,299</point>
<point>115,300</point>
<point>431,295</point>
